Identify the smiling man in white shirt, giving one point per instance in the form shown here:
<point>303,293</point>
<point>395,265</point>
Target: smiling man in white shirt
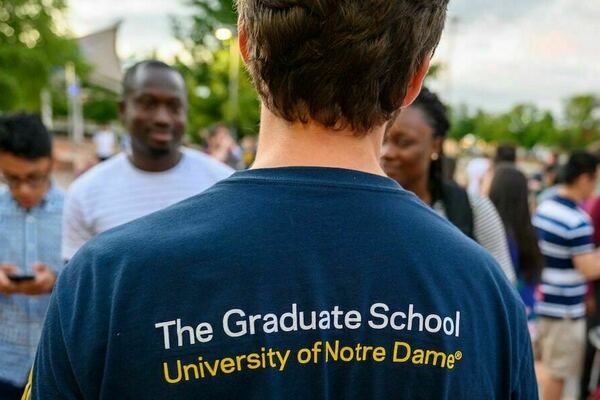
<point>157,173</point>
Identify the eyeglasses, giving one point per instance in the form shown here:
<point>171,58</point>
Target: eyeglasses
<point>33,181</point>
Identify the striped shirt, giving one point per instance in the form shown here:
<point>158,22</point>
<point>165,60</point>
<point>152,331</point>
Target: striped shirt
<point>488,231</point>
<point>115,192</point>
<point>564,231</point>
<point>26,237</point>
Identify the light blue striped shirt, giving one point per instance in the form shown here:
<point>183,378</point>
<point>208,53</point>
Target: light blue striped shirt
<point>26,238</point>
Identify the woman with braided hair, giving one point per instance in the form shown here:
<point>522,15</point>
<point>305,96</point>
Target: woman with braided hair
<point>413,156</point>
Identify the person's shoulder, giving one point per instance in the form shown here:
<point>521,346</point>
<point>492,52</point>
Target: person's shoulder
<point>98,174</point>
<point>482,205</point>
<point>4,192</point>
<point>151,240</point>
<point>207,163</point>
<point>562,212</point>
<point>453,189</point>
<point>465,257</point>
<point>5,197</point>
<point>55,197</point>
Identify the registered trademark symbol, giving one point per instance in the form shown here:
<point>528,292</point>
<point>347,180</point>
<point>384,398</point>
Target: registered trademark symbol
<point>458,355</point>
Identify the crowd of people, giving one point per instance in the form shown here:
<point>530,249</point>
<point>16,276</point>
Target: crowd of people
<point>346,262</point>
<point>550,257</point>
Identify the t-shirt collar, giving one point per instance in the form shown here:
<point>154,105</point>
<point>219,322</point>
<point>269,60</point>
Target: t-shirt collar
<point>318,175</point>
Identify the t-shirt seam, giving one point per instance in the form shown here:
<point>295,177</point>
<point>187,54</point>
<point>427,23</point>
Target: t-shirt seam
<point>63,338</point>
<point>331,185</point>
<point>519,369</point>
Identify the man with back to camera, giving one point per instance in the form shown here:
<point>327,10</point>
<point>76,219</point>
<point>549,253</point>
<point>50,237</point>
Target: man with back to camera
<point>566,237</point>
<point>310,276</point>
<point>30,235</point>
<point>157,173</point>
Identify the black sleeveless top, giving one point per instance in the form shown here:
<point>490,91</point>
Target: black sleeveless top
<point>458,207</point>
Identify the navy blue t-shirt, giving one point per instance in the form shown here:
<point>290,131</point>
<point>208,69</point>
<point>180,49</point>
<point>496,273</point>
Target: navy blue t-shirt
<point>287,283</point>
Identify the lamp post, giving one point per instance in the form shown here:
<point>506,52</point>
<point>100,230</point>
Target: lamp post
<point>76,123</point>
<point>228,35</point>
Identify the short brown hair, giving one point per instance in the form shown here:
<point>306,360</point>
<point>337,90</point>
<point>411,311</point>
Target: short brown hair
<point>342,63</point>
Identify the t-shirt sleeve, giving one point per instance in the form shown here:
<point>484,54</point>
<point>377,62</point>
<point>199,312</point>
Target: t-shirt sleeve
<point>53,376</point>
<point>490,234</point>
<point>581,240</point>
<point>524,382</point>
<point>525,387</point>
<point>76,230</point>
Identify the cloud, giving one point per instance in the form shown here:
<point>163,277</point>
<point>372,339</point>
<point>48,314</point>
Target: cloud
<point>540,53</point>
<point>499,53</point>
<point>145,29</point>
<point>107,9</point>
<point>503,11</point>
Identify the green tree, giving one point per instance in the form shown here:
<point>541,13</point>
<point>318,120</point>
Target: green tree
<point>462,123</point>
<point>529,126</point>
<point>100,105</point>
<point>523,125</point>
<point>582,121</point>
<point>32,49</point>
<point>208,15</point>
<point>208,78</point>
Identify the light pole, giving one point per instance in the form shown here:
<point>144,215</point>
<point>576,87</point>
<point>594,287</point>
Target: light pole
<point>76,123</point>
<point>228,35</point>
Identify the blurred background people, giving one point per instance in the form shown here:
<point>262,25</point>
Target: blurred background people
<point>413,154</point>
<point>104,143</point>
<point>566,241</point>
<point>552,177</point>
<point>505,153</point>
<point>509,193</point>
<point>476,170</point>
<point>157,173</point>
<point>30,239</point>
<point>590,380</point>
<point>221,145</point>
<point>249,145</point>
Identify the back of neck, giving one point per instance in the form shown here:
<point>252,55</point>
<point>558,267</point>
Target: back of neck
<point>570,193</point>
<point>284,144</point>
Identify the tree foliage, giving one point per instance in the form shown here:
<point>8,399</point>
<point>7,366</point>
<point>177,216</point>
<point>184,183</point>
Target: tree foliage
<point>526,125</point>
<point>32,49</point>
<point>582,121</point>
<point>208,77</point>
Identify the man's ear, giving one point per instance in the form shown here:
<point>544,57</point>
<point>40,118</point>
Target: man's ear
<point>243,40</point>
<point>416,82</point>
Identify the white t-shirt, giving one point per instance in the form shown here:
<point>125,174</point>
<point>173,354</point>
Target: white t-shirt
<point>105,143</point>
<point>115,192</point>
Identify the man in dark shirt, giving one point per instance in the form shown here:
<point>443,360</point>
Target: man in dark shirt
<point>310,276</point>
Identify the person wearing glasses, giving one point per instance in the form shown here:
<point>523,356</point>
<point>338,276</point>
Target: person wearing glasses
<point>30,240</point>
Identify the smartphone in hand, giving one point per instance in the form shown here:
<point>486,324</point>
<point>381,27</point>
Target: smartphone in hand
<point>20,278</point>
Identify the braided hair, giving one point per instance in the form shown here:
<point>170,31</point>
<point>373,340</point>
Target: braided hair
<point>436,115</point>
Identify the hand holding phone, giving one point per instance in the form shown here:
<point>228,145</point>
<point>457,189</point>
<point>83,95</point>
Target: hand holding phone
<point>7,287</point>
<point>40,282</point>
<point>43,282</point>
<point>20,278</point>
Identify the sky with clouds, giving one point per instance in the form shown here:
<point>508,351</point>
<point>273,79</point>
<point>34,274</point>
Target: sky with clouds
<point>496,53</point>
